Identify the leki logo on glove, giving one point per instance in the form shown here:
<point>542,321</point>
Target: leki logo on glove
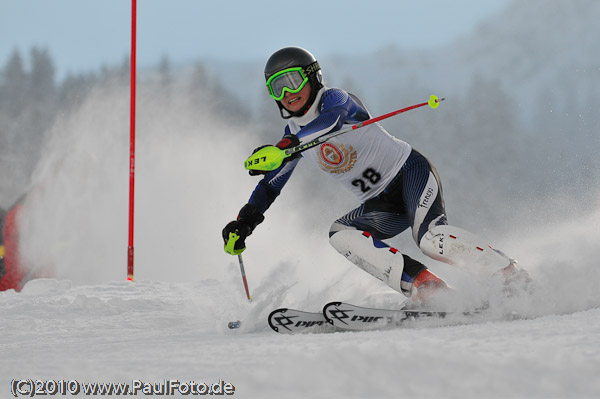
<point>336,158</point>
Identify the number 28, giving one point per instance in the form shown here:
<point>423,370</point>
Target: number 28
<point>369,175</point>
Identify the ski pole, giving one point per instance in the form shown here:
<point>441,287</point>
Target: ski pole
<point>244,277</point>
<point>230,249</point>
<point>270,158</point>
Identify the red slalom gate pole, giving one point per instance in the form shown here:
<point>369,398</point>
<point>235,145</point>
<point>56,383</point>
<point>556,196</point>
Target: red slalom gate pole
<point>132,143</point>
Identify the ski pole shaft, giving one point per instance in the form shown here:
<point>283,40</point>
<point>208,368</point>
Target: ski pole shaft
<point>244,277</point>
<point>271,157</point>
<point>433,103</point>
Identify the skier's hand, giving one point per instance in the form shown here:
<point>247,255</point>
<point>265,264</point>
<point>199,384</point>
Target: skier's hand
<point>235,232</point>
<point>288,141</point>
<point>234,236</point>
<point>252,172</point>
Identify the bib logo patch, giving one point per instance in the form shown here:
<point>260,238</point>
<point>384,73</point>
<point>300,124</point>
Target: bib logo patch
<point>336,158</point>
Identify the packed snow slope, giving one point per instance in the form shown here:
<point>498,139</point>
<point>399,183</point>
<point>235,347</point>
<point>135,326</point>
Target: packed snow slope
<point>152,331</point>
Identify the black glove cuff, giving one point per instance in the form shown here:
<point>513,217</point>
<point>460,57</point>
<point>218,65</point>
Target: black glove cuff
<point>250,215</point>
<point>289,140</point>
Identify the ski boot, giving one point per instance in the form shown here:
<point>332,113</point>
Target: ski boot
<point>428,290</point>
<point>514,279</point>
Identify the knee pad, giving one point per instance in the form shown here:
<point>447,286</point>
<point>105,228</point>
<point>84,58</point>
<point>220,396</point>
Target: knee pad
<point>462,249</point>
<point>373,256</point>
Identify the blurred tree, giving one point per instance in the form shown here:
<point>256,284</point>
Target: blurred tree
<point>74,89</point>
<point>41,81</point>
<point>12,86</point>
<point>164,71</point>
<point>42,103</point>
<point>28,107</point>
<point>213,98</point>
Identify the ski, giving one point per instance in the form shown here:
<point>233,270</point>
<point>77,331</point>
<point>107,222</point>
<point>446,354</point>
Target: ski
<point>351,317</point>
<point>289,321</point>
<point>341,316</point>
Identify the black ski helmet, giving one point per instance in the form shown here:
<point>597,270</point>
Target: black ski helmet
<point>289,57</point>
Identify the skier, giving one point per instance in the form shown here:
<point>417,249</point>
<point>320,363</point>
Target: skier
<point>397,186</point>
<point>2,267</point>
<point>15,272</point>
<point>12,271</point>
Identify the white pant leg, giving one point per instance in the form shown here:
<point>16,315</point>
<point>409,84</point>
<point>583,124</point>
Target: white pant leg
<point>373,256</point>
<point>462,249</point>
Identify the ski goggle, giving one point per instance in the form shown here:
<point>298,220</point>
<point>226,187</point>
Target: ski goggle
<point>291,80</point>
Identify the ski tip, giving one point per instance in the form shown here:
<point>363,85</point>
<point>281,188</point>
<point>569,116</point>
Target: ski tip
<point>274,313</point>
<point>326,311</point>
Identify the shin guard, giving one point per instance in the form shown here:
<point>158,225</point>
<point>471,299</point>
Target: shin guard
<point>462,249</point>
<point>376,258</point>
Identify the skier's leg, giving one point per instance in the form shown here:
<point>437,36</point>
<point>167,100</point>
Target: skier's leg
<point>440,241</point>
<point>383,262</point>
<point>462,249</point>
<point>358,236</point>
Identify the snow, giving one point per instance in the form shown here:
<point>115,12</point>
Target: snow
<point>151,331</point>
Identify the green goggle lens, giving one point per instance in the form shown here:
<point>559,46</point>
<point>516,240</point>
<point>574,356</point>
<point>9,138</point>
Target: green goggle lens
<point>291,80</point>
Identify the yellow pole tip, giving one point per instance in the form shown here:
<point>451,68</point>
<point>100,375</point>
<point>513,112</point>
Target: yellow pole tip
<point>433,102</point>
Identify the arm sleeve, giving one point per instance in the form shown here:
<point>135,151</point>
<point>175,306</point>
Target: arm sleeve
<point>271,185</point>
<point>337,108</point>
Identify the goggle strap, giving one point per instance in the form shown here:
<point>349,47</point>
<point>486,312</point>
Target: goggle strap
<point>311,68</point>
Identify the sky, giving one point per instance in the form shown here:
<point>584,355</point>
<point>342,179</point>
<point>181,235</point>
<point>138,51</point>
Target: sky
<point>82,36</point>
